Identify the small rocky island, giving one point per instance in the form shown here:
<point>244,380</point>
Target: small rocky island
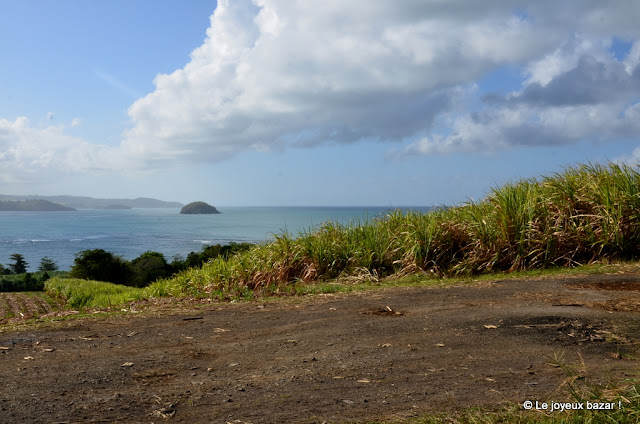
<point>199,208</point>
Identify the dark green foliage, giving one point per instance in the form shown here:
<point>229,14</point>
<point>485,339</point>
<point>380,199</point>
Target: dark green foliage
<point>24,282</point>
<point>30,283</point>
<point>101,265</point>
<point>178,264</point>
<point>149,267</point>
<point>195,260</point>
<point>47,264</point>
<point>19,265</point>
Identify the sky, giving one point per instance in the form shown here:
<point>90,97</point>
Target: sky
<point>301,103</point>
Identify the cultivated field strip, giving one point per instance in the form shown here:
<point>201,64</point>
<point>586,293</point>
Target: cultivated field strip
<point>22,305</point>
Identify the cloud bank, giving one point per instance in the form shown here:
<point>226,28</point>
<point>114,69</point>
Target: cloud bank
<point>572,94</point>
<point>276,74</point>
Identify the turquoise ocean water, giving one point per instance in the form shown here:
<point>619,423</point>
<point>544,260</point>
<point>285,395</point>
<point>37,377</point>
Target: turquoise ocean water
<point>129,233</point>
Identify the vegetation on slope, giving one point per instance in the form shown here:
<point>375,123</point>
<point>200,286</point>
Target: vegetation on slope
<point>32,205</point>
<point>585,214</point>
<point>79,293</point>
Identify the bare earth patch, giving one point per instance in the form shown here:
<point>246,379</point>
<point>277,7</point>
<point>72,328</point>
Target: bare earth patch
<point>335,358</point>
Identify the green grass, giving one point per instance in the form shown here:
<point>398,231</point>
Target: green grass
<point>586,214</point>
<point>80,294</point>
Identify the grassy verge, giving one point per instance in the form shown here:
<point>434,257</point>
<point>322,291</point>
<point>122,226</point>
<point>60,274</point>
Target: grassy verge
<point>586,214</point>
<point>91,294</point>
<point>87,294</point>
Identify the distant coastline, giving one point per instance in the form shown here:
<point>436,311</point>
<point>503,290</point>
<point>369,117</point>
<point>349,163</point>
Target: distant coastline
<point>32,206</point>
<point>83,202</point>
<point>129,233</point>
<point>116,207</point>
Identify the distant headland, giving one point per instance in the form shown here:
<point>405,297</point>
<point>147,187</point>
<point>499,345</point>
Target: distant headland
<point>82,202</point>
<point>199,208</point>
<point>32,205</point>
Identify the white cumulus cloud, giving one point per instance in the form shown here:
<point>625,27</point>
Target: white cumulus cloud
<point>277,74</point>
<point>585,93</point>
<point>26,151</point>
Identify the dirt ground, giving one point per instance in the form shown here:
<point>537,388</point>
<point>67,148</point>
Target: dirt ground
<point>383,354</point>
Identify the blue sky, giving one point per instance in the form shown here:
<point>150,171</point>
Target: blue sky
<point>272,102</point>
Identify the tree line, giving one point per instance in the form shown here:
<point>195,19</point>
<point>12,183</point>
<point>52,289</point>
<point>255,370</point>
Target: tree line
<point>19,265</point>
<point>16,278</point>
<point>98,264</point>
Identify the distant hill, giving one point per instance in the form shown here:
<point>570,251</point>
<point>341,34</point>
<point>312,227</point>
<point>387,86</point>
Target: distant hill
<point>32,205</point>
<point>81,202</point>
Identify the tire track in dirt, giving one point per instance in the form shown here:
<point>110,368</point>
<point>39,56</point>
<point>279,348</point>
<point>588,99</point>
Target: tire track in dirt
<point>35,305</point>
<point>4,307</point>
<point>15,306</point>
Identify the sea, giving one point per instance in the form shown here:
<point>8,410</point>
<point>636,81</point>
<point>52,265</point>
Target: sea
<point>128,233</point>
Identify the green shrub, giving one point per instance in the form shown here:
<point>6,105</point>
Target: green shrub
<point>149,267</point>
<point>23,282</point>
<point>101,265</point>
